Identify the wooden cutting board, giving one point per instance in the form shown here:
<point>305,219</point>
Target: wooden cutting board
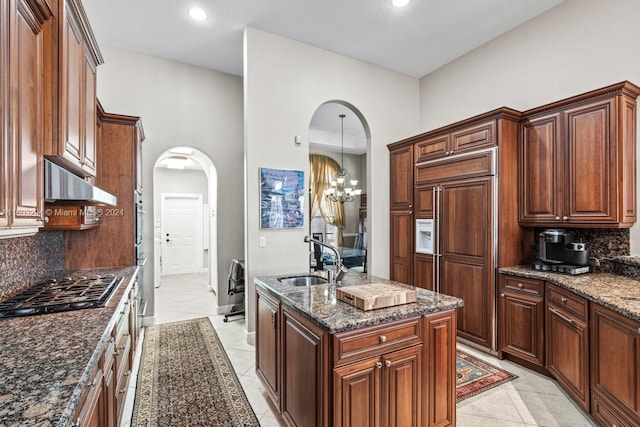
<point>376,295</point>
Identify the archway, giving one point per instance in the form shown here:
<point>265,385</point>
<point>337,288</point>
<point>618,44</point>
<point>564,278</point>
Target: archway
<point>184,158</point>
<point>338,130</point>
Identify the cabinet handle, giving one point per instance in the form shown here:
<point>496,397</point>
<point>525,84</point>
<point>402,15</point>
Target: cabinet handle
<point>564,218</point>
<point>520,285</point>
<point>116,353</point>
<point>502,295</point>
<point>560,315</point>
<point>410,206</point>
<point>379,365</point>
<point>557,218</point>
<point>387,363</point>
<point>122,391</point>
<point>126,374</point>
<point>121,347</point>
<point>564,300</point>
<point>383,338</point>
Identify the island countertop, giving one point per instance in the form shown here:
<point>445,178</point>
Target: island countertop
<point>618,293</point>
<point>46,360</point>
<point>318,303</point>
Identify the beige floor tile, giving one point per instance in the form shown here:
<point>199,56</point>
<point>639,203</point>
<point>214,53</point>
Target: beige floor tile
<point>493,403</point>
<point>548,410</point>
<point>241,360</point>
<point>469,420</point>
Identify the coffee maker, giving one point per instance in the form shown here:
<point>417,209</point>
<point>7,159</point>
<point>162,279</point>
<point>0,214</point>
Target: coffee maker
<point>558,251</point>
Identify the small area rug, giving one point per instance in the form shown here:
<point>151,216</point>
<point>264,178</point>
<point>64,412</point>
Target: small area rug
<point>186,379</point>
<point>473,376</point>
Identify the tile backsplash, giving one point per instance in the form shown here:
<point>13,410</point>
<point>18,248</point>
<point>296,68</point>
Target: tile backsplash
<point>26,260</point>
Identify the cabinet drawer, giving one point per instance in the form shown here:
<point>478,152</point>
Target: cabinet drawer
<point>431,148</point>
<point>568,301</point>
<point>520,284</point>
<point>354,345</point>
<point>606,414</point>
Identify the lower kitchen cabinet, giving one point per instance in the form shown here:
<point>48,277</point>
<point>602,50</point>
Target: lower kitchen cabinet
<point>567,342</point>
<point>400,373</point>
<point>521,319</point>
<point>615,368</point>
<point>268,345</point>
<point>90,413</point>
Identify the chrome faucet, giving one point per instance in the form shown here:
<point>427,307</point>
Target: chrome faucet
<point>340,271</point>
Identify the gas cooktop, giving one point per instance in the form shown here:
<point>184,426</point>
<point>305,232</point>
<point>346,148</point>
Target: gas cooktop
<point>56,295</point>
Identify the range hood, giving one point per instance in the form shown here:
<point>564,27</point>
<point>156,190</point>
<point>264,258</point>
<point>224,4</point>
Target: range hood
<point>62,186</point>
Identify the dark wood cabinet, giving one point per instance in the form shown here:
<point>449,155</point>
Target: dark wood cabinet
<point>305,361</point>
<point>567,342</point>
<point>91,410</point>
<point>439,372</point>
<point>77,57</point>
<point>521,330</point>
<point>615,367</point>
<point>464,139</point>
<point>575,167</point>
<point>356,394</point>
<point>424,271</point>
<point>401,198</point>
<point>22,97</point>
<point>120,137</point>
<point>268,345</point>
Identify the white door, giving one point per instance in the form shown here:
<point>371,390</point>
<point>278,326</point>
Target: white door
<point>181,233</point>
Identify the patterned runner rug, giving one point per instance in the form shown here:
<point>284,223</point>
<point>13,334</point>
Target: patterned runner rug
<point>186,379</point>
<point>473,376</point>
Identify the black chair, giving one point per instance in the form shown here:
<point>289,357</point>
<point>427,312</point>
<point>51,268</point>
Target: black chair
<point>236,286</point>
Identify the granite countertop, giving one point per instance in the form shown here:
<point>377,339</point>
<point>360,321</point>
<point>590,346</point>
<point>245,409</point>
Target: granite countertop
<point>618,293</point>
<point>318,304</point>
<point>46,360</point>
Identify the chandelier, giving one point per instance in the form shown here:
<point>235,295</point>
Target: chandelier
<point>343,188</point>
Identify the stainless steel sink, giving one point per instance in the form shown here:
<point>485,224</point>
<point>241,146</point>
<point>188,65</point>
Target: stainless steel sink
<point>304,280</point>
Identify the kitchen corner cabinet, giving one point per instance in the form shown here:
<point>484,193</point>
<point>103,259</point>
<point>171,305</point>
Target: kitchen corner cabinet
<point>521,318</point>
<point>401,199</point>
<point>22,71</point>
<point>567,342</point>
<point>577,161</point>
<point>75,55</point>
<point>615,368</point>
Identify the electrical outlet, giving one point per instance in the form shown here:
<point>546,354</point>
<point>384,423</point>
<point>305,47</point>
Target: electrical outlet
<point>263,241</point>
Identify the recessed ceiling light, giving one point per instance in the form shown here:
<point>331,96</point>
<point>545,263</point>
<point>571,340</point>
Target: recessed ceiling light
<point>197,14</point>
<point>400,3</point>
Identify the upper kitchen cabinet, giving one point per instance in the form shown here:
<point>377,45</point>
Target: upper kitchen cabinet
<point>22,67</point>
<point>75,55</point>
<point>577,161</point>
<point>469,138</point>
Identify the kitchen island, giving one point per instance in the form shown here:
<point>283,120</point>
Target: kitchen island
<point>54,365</point>
<point>324,362</point>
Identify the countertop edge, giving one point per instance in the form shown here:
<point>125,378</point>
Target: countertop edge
<point>69,411</point>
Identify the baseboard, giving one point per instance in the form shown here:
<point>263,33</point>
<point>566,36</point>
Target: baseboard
<point>224,309</point>
<point>251,337</point>
<point>148,321</point>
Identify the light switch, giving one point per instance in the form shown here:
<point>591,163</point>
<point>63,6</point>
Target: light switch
<point>263,241</point>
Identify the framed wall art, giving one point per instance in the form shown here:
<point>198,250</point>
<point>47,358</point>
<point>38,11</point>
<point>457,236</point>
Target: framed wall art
<point>281,198</point>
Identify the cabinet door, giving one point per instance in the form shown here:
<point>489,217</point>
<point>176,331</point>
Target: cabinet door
<point>92,410</point>
<point>590,180</point>
<point>356,394</point>
<point>615,362</point>
<point>521,326</point>
<point>439,370</point>
<point>402,246</point>
<point>402,388</point>
<point>401,178</point>
<point>423,275</point>
<point>26,147</point>
<point>466,247</point>
<point>474,138</point>
<point>540,162</point>
<point>425,201</point>
<point>303,354</point>
<point>567,355</point>
<point>267,345</point>
<point>432,148</point>
<point>72,62</point>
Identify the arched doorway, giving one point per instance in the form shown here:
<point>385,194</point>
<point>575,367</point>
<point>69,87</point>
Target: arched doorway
<point>339,131</point>
<point>185,185</point>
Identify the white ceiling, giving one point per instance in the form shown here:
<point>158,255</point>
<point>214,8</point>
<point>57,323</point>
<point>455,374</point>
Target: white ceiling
<point>414,40</point>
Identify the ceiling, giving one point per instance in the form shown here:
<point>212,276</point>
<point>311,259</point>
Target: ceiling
<point>414,40</point>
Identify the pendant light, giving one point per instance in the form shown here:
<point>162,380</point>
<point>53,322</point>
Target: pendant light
<point>343,188</point>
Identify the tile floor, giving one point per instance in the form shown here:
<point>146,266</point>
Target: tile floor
<point>530,400</point>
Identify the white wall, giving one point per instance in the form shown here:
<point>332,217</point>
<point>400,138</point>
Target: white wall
<point>182,105</point>
<point>285,82</point>
<point>578,46</point>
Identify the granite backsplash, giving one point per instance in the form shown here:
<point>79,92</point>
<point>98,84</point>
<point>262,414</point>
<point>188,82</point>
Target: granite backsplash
<point>603,244</point>
<point>26,260</point>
